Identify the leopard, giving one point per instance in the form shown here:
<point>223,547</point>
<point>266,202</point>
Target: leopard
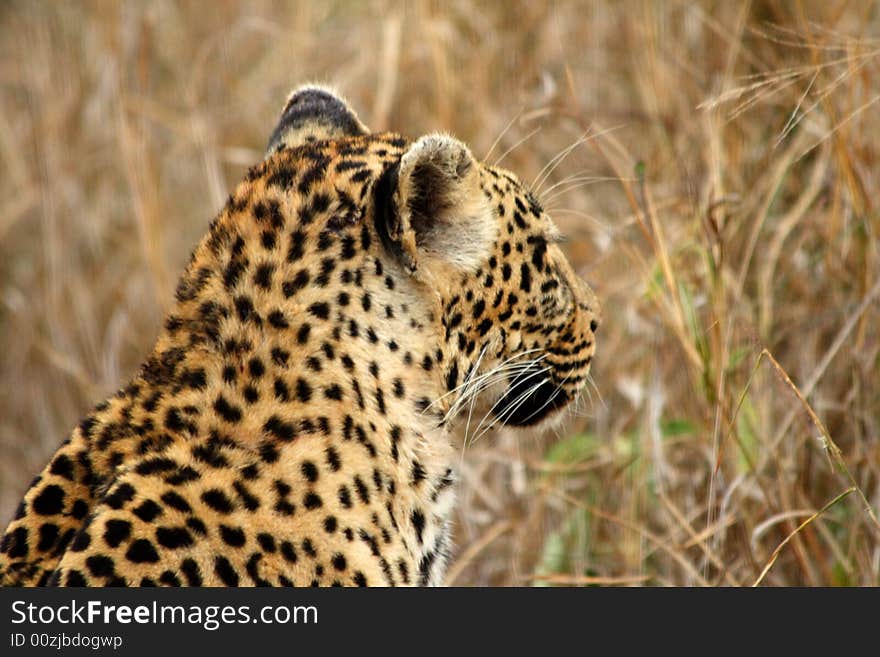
<point>294,424</point>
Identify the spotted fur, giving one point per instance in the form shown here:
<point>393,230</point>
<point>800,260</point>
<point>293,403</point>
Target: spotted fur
<point>291,425</point>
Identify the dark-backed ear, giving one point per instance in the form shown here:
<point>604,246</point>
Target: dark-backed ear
<point>431,206</point>
<point>311,113</point>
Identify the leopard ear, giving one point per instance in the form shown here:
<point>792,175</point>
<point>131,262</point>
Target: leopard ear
<point>434,208</point>
<point>313,112</point>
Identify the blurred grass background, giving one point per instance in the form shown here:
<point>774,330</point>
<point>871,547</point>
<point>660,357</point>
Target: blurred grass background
<point>715,165</point>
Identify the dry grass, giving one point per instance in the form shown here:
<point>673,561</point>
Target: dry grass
<point>723,205</point>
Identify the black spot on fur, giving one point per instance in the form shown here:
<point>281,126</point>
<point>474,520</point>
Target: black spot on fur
<point>333,459</point>
<point>50,501</point>
<point>227,411</point>
<point>312,501</point>
<point>147,511</point>
<point>116,531</point>
<point>100,565</point>
<point>48,536</point>
<point>284,431</point>
<point>303,390</point>
<point>297,245</point>
<point>288,552</point>
<point>63,467</point>
<point>175,501</point>
<point>191,571</point>
<point>309,471</point>
<point>362,490</point>
<point>142,551</point>
<point>217,500</point>
<point>232,536</point>
<point>320,310</point>
<point>155,465</point>
<point>224,570</point>
<point>263,275</point>
<point>119,495</point>
<point>418,522</point>
<point>298,282</point>
<point>173,537</point>
<point>277,319</point>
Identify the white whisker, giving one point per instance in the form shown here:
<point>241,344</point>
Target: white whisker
<point>507,412</point>
<point>484,381</point>
<point>468,381</point>
<point>502,133</point>
<point>554,162</point>
<point>512,148</point>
